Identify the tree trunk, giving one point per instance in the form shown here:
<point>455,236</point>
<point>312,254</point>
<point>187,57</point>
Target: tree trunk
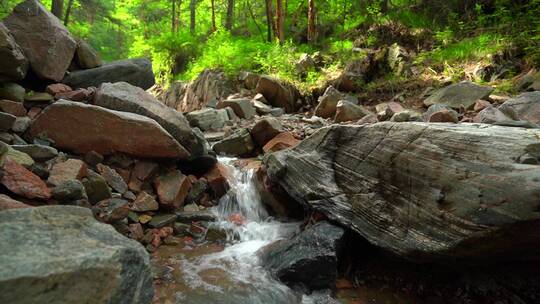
<point>280,34</point>
<point>230,15</point>
<point>192,5</point>
<point>312,19</point>
<point>213,15</point>
<point>269,19</point>
<point>68,12</point>
<point>57,8</point>
<point>173,16</point>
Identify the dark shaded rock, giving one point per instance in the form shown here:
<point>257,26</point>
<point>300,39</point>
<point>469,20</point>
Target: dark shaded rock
<point>111,210</point>
<point>309,259</point>
<point>14,65</point>
<point>86,56</point>
<point>197,191</point>
<point>463,94</point>
<point>6,121</point>
<point>198,165</point>
<point>187,217</point>
<point>162,220</point>
<point>266,129</point>
<point>69,191</point>
<point>124,97</point>
<point>13,108</point>
<point>96,187</point>
<point>239,143</point>
<point>112,177</point>
<point>12,91</point>
<point>105,131</point>
<point>37,152</point>
<point>137,72</point>
<point>74,259</point>
<point>44,39</point>
<point>208,118</point>
<point>241,107</point>
<point>422,191</point>
<point>278,94</point>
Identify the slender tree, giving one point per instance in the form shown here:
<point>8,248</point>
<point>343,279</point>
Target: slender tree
<point>213,2</point>
<point>68,12</point>
<point>173,16</point>
<point>57,8</point>
<point>230,15</point>
<point>312,19</point>
<point>269,19</point>
<point>192,6</point>
<point>280,34</point>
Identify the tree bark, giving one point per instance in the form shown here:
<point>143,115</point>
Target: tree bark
<point>68,12</point>
<point>269,19</point>
<point>192,6</point>
<point>214,28</point>
<point>173,16</point>
<point>280,34</point>
<point>57,8</point>
<point>312,19</point>
<point>230,15</point>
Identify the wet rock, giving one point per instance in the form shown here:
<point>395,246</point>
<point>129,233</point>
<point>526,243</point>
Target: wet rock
<point>463,94</point>
<point>113,178</point>
<point>12,91</point>
<point>386,182</point>
<point>21,124</point>
<point>266,129</point>
<point>187,217</point>
<point>6,121</point>
<point>281,141</point>
<point>198,165</point>
<point>14,64</point>
<point>37,152</point>
<point>490,115</point>
<point>69,249</point>
<point>86,56</point>
<point>7,203</point>
<point>208,118</point>
<point>348,111</point>
<point>526,107</point>
<point>198,189</point>
<point>241,107</point>
<point>12,107</point>
<point>162,220</point>
<point>144,202</point>
<point>72,169</point>
<point>309,259</point>
<point>329,100</point>
<point>172,189</point>
<point>278,94</point>
<point>124,97</point>
<point>96,187</point>
<point>111,210</point>
<point>45,41</point>
<point>69,191</point>
<point>105,131</point>
<point>217,180</point>
<point>23,182</point>
<point>239,144</point>
<point>137,72</point>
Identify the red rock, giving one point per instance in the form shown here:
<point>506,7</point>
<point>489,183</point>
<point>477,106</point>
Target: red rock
<point>156,240</point>
<point>237,219</point>
<point>12,107</point>
<point>7,202</point>
<point>165,232</point>
<point>83,128</point>
<point>68,170</point>
<point>393,108</point>
<point>144,202</point>
<point>23,182</point>
<point>76,95</point>
<point>34,112</point>
<point>172,189</point>
<point>481,104</point>
<point>443,116</point>
<point>280,142</point>
<point>217,180</point>
<point>57,88</point>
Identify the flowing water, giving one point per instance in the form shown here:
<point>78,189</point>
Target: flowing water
<point>231,273</point>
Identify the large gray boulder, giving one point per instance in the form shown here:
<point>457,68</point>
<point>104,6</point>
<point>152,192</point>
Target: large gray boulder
<point>463,94</point>
<point>526,107</point>
<point>45,41</point>
<point>137,72</point>
<point>208,118</point>
<point>14,65</point>
<point>61,254</point>
<point>423,191</point>
<point>122,96</point>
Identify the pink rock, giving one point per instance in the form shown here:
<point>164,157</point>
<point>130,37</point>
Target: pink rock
<point>23,182</point>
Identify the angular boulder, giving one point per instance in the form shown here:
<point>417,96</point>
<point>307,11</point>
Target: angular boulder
<point>44,39</point>
<point>239,143</point>
<point>526,107</point>
<point>463,94</point>
<point>74,259</point>
<point>348,111</point>
<point>329,100</point>
<point>278,94</point>
<point>309,259</point>
<point>122,96</point>
<point>208,118</point>
<point>491,115</point>
<point>422,191</point>
<point>83,128</point>
<point>87,57</point>
<point>266,129</point>
<point>172,189</point>
<point>14,65</point>
<point>23,182</point>
<point>205,91</point>
<point>137,72</point>
<point>241,107</point>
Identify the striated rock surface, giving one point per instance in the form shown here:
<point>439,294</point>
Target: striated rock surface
<point>14,65</point>
<point>74,259</point>
<point>422,190</point>
<point>83,128</point>
<point>463,94</point>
